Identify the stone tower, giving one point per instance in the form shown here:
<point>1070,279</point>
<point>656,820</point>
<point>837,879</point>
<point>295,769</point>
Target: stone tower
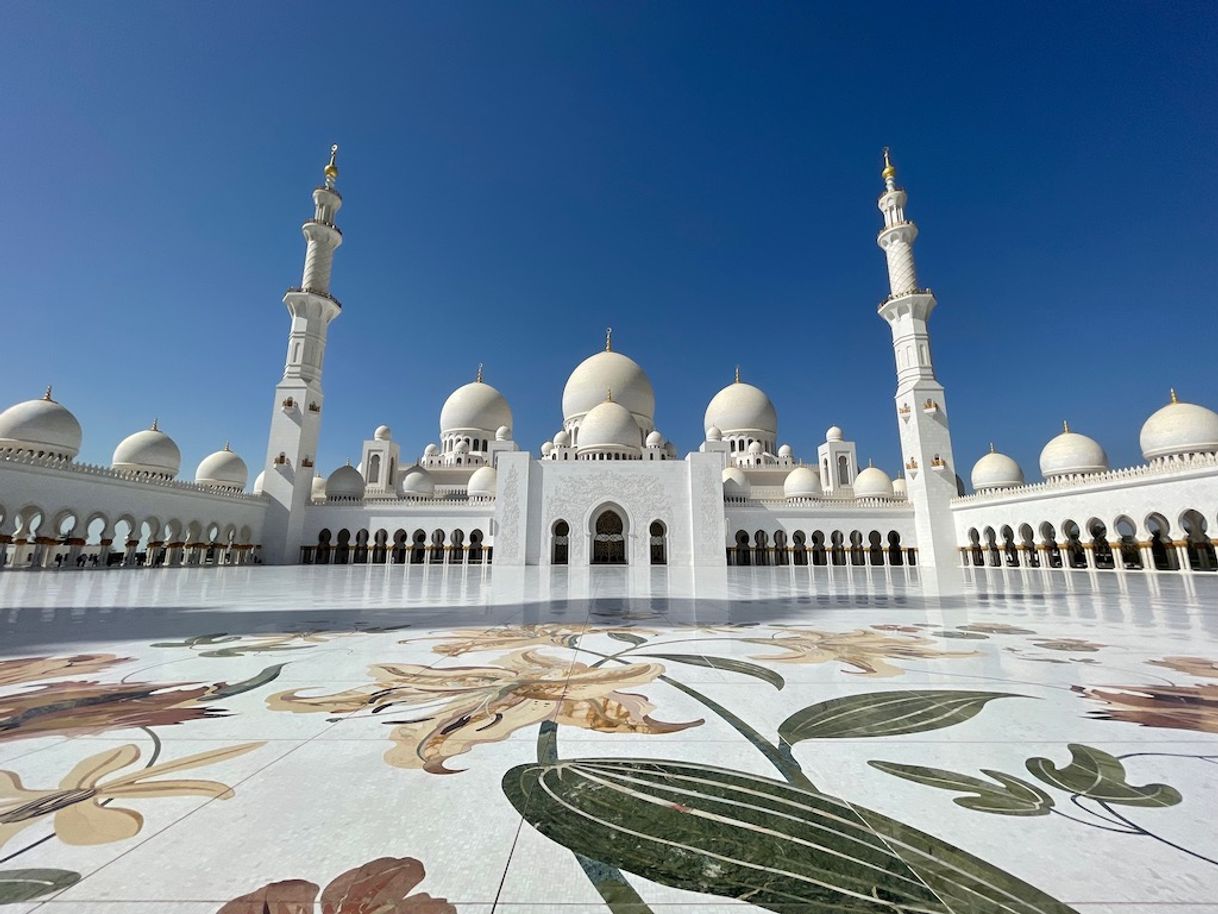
<point>296,413</point>
<point>926,441</point>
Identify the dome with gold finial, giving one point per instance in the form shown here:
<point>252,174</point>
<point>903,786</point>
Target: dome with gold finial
<point>1072,454</point>
<point>585,388</point>
<point>42,428</point>
<point>149,452</point>
<point>1179,429</point>
<point>331,169</point>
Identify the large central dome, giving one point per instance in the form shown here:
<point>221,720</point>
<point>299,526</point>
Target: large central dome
<point>475,406</point>
<point>595,377</point>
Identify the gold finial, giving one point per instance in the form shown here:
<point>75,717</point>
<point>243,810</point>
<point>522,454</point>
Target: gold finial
<point>155,425</point>
<point>227,446</point>
<point>1173,395</point>
<point>992,451</point>
<point>478,377</point>
<point>608,339</point>
<point>331,170</point>
<point>870,463</point>
<point>608,394</point>
<point>889,171</point>
<point>737,374</point>
<point>47,395</point>
<point>1065,426</point>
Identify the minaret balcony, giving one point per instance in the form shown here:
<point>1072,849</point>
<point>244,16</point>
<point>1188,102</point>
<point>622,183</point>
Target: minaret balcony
<point>329,225</point>
<point>318,292</point>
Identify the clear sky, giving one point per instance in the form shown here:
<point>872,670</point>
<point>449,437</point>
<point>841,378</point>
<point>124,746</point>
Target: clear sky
<point>701,176</point>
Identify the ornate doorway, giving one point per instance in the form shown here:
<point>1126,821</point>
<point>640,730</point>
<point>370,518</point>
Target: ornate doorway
<point>608,541</point>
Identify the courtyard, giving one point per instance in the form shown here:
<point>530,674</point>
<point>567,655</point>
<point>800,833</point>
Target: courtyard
<point>474,739</point>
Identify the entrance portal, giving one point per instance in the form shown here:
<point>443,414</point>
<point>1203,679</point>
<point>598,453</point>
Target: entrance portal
<point>608,543</point>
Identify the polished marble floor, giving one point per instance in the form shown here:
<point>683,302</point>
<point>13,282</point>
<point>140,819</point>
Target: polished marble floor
<point>415,740</point>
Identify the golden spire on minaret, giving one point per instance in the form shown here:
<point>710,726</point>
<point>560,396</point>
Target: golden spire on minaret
<point>331,170</point>
<point>890,172</point>
<point>47,395</point>
<point>478,376</point>
<point>737,374</point>
<point>1174,399</point>
<point>1065,426</point>
<point>608,339</point>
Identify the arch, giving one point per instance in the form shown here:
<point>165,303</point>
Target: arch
<point>436,547</point>
<point>875,547</point>
<point>837,551</point>
<point>560,542</point>
<point>456,553</point>
<point>323,547</point>
<point>991,547</point>
<point>1010,552</point>
<point>1101,551</point>
<point>799,547</point>
<point>1162,552</point>
<point>475,547</point>
<point>782,555</point>
<point>609,537</point>
<point>820,555</point>
<point>374,469</point>
<point>658,541</point>
<point>360,554</point>
<point>1197,545</point>
<point>1075,553</point>
<point>843,470</point>
<point>1048,537</point>
<point>761,548</point>
<point>1127,530</point>
<point>857,556</point>
<point>418,547</point>
<point>1027,540</point>
<point>342,552</point>
<point>380,551</point>
<point>398,553</point>
<point>896,555</point>
<point>742,554</point>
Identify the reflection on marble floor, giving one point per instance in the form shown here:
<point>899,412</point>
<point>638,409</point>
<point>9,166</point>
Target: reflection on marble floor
<point>416,741</point>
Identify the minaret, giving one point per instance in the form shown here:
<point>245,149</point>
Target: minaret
<point>926,442</point>
<point>296,414</point>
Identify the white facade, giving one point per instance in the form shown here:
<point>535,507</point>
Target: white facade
<point>608,488</point>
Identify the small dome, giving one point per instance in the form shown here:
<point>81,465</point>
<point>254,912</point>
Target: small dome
<point>802,482</point>
<point>461,447</point>
<point>418,482</point>
<point>149,452</point>
<point>833,434</point>
<point>431,450</point>
<point>756,449</point>
<point>606,371</point>
<point>318,492</point>
<point>735,483</point>
<point>40,427</point>
<point>261,478</point>
<point>609,425</point>
<point>476,406</point>
<point>1070,454</point>
<point>546,449</point>
<point>503,433</point>
<point>899,488</point>
<point>222,470</point>
<point>1179,429</point>
<point>383,433</point>
<point>714,433</point>
<point>482,483</point>
<point>786,451</point>
<point>996,471</point>
<point>655,439</point>
<point>873,483</point>
<point>562,439</point>
<point>741,407</point>
<point>345,483</point>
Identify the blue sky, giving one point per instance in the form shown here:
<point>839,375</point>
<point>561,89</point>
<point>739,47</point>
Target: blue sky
<point>700,176</point>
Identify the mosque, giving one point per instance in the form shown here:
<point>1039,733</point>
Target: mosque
<point>609,488</point>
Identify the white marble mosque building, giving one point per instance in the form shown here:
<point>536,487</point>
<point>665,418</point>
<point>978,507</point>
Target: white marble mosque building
<point>609,488</point>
